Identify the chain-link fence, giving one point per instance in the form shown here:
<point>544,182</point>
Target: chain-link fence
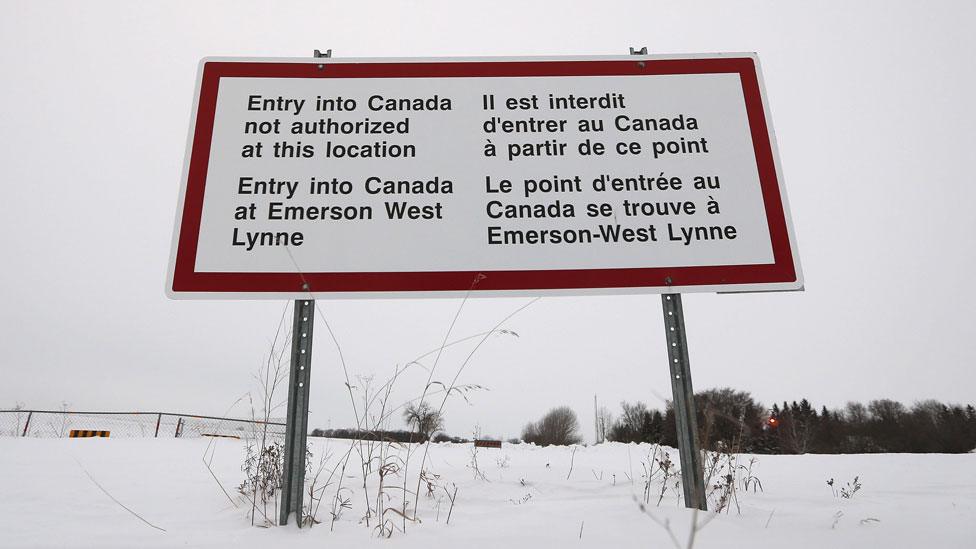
<point>60,423</point>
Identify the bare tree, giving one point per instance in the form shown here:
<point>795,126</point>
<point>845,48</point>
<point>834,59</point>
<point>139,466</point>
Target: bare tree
<point>558,427</point>
<point>604,422</point>
<point>424,418</point>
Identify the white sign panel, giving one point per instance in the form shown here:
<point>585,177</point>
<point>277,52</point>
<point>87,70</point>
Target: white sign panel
<point>497,176</point>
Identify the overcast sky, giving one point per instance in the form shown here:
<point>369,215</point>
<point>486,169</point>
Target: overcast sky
<point>871,103</point>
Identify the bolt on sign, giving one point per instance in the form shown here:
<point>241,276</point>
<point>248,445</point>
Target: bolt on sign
<point>499,176</point>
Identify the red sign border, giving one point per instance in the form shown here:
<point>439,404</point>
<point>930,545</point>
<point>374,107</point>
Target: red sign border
<point>783,272</point>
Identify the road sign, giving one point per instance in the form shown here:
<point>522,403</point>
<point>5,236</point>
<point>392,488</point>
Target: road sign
<point>377,177</point>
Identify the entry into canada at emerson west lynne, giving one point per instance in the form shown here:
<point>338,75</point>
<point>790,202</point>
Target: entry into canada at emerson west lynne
<point>498,176</point>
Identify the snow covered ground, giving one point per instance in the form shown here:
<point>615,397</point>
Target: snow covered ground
<point>51,498</point>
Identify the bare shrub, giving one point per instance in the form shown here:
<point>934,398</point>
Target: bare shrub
<point>848,490</point>
<point>19,414</point>
<point>262,470</point>
<point>473,463</point>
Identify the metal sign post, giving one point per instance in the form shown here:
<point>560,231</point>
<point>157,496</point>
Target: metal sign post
<point>684,402</point>
<point>692,476</point>
<point>296,429</point>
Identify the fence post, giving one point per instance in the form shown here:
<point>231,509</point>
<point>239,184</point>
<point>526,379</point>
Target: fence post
<point>27,424</point>
<point>179,424</point>
<point>159,418</point>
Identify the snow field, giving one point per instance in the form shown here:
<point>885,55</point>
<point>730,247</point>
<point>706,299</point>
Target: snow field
<point>524,500</point>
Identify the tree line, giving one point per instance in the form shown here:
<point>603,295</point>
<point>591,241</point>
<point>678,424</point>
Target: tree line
<point>730,419</point>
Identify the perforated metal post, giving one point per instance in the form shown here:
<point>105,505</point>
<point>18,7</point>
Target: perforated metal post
<point>692,476</point>
<point>684,402</point>
<point>296,428</point>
